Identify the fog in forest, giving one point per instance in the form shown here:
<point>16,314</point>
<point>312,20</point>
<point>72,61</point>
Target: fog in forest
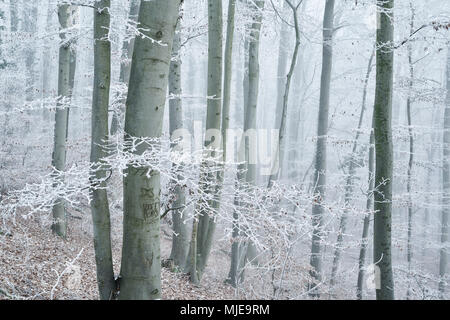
<point>224,149</point>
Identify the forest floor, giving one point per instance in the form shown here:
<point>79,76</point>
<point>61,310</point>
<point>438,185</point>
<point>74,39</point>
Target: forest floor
<point>35,264</point>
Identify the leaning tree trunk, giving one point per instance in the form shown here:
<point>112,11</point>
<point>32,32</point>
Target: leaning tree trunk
<point>321,148</point>
<point>205,224</point>
<point>141,261</point>
<point>281,68</point>
<point>446,188</point>
<point>180,240</point>
<point>349,180</point>
<point>384,152</point>
<point>59,225</point>
<point>100,103</point>
<point>125,65</point>
<point>279,155</point>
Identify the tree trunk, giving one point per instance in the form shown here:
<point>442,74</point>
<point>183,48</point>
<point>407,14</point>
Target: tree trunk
<point>180,240</point>
<point>253,90</point>
<point>228,64</point>
<point>128,46</point>
<point>141,261</point>
<point>205,223</point>
<point>60,136</point>
<point>236,266</point>
<point>321,148</point>
<point>236,273</point>
<point>411,152</point>
<point>446,188</point>
<point>247,249</point>
<point>100,103</point>
<point>278,161</point>
<point>232,274</point>
<point>281,68</point>
<point>73,63</point>
<point>366,223</point>
<point>384,151</point>
<point>125,65</point>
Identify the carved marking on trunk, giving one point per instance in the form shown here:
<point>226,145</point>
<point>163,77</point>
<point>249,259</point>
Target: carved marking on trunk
<point>150,211</point>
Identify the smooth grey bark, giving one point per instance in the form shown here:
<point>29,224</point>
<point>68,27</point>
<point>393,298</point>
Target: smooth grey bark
<point>253,90</point>
<point>100,103</point>
<point>141,260</point>
<point>446,188</point>
<point>228,64</point>
<point>366,223</point>
<point>382,256</point>
<point>59,225</point>
<point>125,65</point>
<point>321,149</point>
<point>205,224</point>
<point>279,156</point>
<point>180,237</point>
<point>411,151</point>
<point>238,247</point>
<point>350,178</point>
<point>73,63</point>
<point>235,275</point>
<point>73,67</point>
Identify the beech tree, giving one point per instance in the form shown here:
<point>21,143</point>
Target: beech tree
<point>204,224</point>
<point>246,252</point>
<point>284,102</point>
<point>161,212</point>
<point>321,148</point>
<point>100,105</point>
<point>125,65</point>
<point>384,151</point>
<point>141,261</point>
<point>61,116</point>
<point>180,241</point>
